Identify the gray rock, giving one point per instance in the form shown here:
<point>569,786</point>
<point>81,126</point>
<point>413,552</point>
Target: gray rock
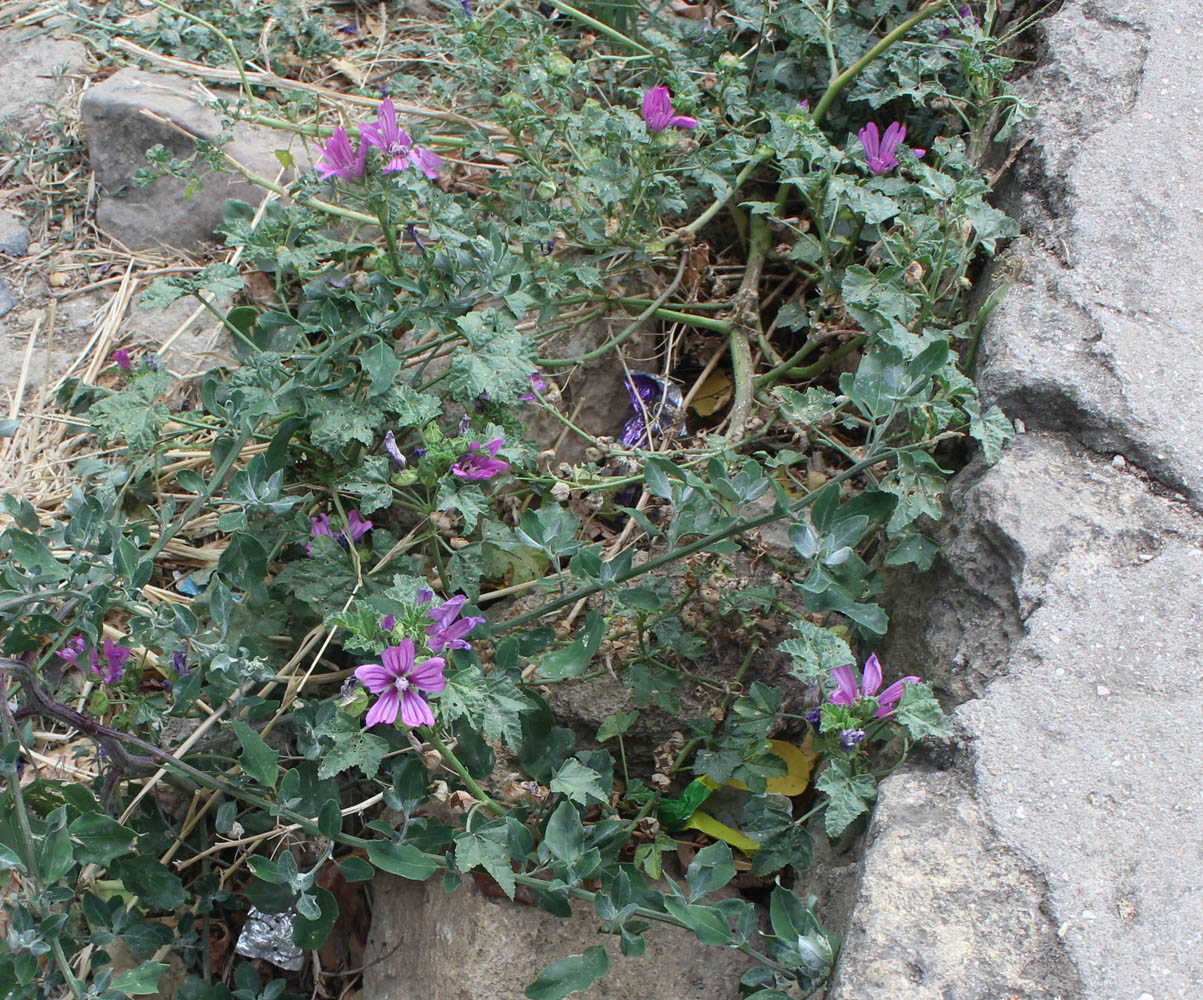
<point>14,236</point>
<point>35,71</point>
<point>945,911</point>
<point>428,945</point>
<point>1100,336</point>
<point>1099,582</point>
<point>6,298</point>
<point>119,131</point>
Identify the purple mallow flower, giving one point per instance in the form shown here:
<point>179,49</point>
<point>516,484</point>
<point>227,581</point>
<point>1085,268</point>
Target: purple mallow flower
<point>114,658</point>
<point>537,384</point>
<point>657,403</point>
<point>467,8</point>
<point>398,680</point>
<point>388,623</point>
<point>964,18</point>
<point>412,231</point>
<point>848,694</point>
<point>339,159</point>
<point>480,461</point>
<point>851,737</point>
<point>879,149</point>
<point>658,112</point>
<point>390,446</point>
<point>396,145</point>
<point>121,359</point>
<point>356,525</point>
<point>447,632</point>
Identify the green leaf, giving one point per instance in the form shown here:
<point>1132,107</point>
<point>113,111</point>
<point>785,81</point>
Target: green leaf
<point>133,413</point>
<point>258,759</point>
<point>381,363</point>
<point>353,749</point>
<point>100,838</point>
<point>147,877</point>
<point>570,975</point>
<point>475,849</point>
<point>850,795</point>
<point>402,859</point>
<point>573,659</point>
<point>565,834</point>
<point>706,922</point>
<point>579,783</point>
<point>140,981</point>
<point>497,361</point>
<point>816,651</point>
<point>920,714</point>
<point>57,856</point>
<point>337,420</point>
<point>310,930</point>
<point>992,429</point>
<point>468,498</point>
<point>9,860</point>
<point>711,869</point>
<point>616,725</point>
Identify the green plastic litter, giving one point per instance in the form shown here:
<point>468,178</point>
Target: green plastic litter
<point>674,813</point>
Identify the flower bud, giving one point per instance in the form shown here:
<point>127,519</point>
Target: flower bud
<point>545,190</point>
<point>729,61</point>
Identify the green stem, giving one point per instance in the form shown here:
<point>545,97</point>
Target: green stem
<point>627,333</point>
<point>717,206</point>
<point>705,542</point>
<point>599,26</point>
<point>478,793</point>
<point>180,12</point>
<point>853,71</point>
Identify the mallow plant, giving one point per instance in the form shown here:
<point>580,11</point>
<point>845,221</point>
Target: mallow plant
<point>334,607</point>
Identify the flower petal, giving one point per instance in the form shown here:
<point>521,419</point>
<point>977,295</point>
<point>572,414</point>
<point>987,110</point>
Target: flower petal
<point>682,121</point>
<point>399,659</point>
<point>889,698</point>
<point>846,680</point>
<point>375,677</point>
<point>385,709</point>
<point>414,710</point>
<point>871,680</point>
<point>428,675</point>
<point>870,138</point>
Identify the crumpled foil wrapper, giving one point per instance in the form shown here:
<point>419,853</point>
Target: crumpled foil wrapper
<point>269,936</point>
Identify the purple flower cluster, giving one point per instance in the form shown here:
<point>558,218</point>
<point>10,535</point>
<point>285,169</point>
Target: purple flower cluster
<point>658,112</point>
<point>847,693</point>
<point>447,630</point>
<point>357,527</point>
<point>339,159</point>
<point>879,149</point>
<point>965,19</point>
<point>114,657</point>
<point>480,461</point>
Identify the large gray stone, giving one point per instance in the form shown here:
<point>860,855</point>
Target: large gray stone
<point>119,131</point>
<point>14,235</point>
<point>1100,336</point>
<point>35,73</point>
<point>1096,688</point>
<point>946,912</point>
<point>428,945</point>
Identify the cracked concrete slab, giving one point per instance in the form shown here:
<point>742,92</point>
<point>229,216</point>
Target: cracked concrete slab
<point>1100,335</point>
<point>1063,612</point>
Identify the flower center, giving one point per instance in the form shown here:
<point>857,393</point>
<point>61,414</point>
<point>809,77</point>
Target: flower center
<point>401,684</point>
<point>398,147</point>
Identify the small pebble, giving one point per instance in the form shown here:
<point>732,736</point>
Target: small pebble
<point>1119,461</point>
<point>58,279</point>
<point>1102,691</point>
<point>6,299</point>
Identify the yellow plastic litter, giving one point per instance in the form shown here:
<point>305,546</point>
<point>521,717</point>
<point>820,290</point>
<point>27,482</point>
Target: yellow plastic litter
<point>707,824</point>
<point>798,761</point>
